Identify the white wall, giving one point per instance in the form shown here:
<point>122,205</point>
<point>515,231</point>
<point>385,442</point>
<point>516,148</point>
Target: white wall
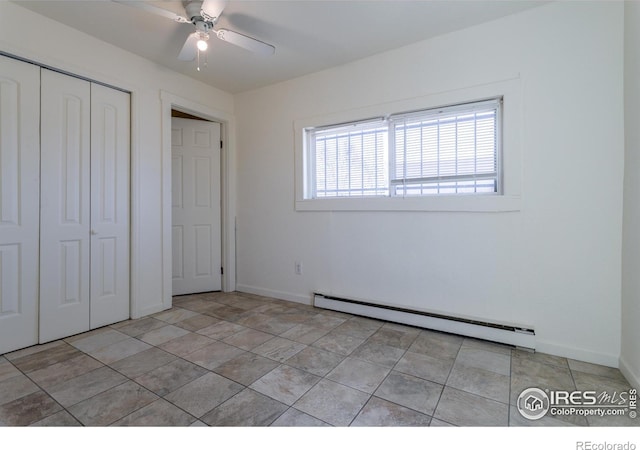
<point>554,265</point>
<point>34,37</point>
<point>630,354</point>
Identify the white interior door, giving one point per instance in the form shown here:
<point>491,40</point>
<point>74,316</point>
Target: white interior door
<point>65,206</point>
<point>195,232</point>
<point>19,203</point>
<point>110,144</point>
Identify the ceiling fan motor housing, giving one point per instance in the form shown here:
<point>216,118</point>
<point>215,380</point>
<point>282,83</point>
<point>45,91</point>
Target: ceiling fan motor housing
<point>198,16</point>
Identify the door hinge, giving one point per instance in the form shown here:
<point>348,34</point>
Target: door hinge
<point>221,145</point>
<point>221,270</point>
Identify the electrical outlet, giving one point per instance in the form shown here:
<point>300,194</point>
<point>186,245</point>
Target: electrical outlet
<point>298,267</point>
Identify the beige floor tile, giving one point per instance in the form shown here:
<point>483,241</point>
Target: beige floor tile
<point>161,335</point>
<point>411,392</point>
<point>285,384</point>
<point>305,333</point>
<point>214,355</point>
<point>294,418</point>
<point>143,362</point>
<point>16,387</point>
<point>325,320</point>
<point>279,349</point>
<point>31,350</point>
<point>436,345</point>
<point>395,337</point>
<point>381,413</point>
<point>246,368</point>
<point>332,403</point>
<point>170,377</point>
<point>28,409</point>
<point>228,313</point>
<point>486,345</point>
<point>338,343</point>
<point>464,409</point>
<point>315,360</point>
<point>174,315</point>
<point>197,322</point>
<point>538,357</point>
<point>119,350</point>
<point>221,330</point>
<point>7,370</point>
<point>246,409</point>
<point>424,366</point>
<point>97,339</point>
<point>359,374</point>
<point>44,358</point>
<point>85,386</point>
<point>137,327</point>
<point>358,327</point>
<point>59,419</point>
<point>486,360</point>
<point>480,382</point>
<point>160,413</point>
<point>378,353</point>
<point>183,345</point>
<point>112,405</point>
<point>248,339</point>
<point>267,323</point>
<point>203,394</point>
<point>64,371</point>
<point>440,423</point>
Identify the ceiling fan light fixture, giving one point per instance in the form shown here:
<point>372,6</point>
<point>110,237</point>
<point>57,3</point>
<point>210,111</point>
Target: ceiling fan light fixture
<point>202,41</point>
<point>202,45</point>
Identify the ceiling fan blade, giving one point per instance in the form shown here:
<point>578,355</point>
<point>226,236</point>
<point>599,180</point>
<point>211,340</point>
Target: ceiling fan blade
<point>189,49</point>
<point>246,42</point>
<point>154,9</point>
<point>213,8</point>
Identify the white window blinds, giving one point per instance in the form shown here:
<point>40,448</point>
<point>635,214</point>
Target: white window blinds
<point>350,160</point>
<point>450,150</point>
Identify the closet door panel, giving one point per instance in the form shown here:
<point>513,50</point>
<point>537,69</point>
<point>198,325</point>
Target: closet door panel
<point>109,205</point>
<point>65,206</point>
<point>19,200</point>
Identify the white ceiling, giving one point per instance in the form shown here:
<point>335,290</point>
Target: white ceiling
<point>309,35</point>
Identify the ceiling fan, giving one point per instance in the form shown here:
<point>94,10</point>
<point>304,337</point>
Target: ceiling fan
<point>204,15</point>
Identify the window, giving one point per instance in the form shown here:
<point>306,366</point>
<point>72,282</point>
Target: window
<point>450,150</point>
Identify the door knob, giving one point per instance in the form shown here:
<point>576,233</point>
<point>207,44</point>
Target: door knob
<point>94,232</point>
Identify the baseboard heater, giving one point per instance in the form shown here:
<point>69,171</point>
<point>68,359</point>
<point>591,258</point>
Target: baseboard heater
<point>504,334</point>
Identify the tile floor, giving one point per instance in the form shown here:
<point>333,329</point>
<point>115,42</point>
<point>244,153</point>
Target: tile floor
<point>242,360</point>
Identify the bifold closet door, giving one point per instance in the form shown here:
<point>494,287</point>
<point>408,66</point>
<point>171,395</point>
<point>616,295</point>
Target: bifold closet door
<point>65,205</point>
<point>109,272</point>
<point>84,236</point>
<point>19,203</point>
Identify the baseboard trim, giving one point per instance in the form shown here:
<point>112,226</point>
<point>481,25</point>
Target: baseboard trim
<point>578,354</point>
<point>149,310</point>
<point>280,295</point>
<point>632,378</point>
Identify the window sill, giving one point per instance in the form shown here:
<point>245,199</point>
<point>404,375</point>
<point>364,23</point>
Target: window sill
<point>449,203</point>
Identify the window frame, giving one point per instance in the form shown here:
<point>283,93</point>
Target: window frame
<point>508,197</point>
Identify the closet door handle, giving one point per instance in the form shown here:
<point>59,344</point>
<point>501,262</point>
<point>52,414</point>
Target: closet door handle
<point>93,232</point>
